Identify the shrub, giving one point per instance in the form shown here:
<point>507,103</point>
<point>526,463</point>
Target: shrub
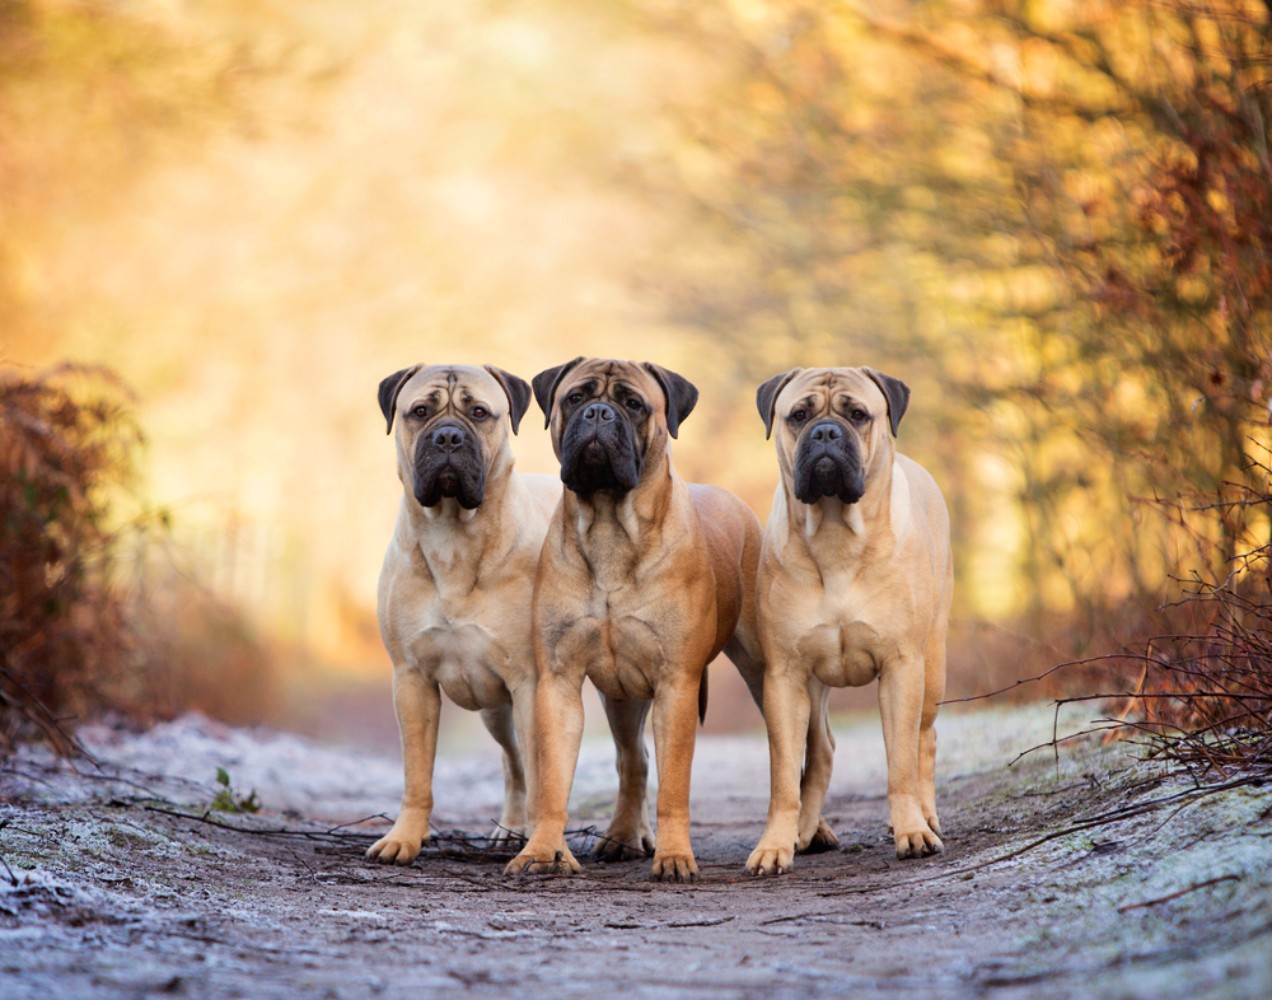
<point>68,443</point>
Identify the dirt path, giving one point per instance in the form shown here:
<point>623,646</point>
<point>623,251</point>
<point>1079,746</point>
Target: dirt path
<point>116,898</point>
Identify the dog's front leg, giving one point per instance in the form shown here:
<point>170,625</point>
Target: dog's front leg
<point>786,712</point>
<point>900,706</point>
<point>675,720</point>
<point>558,730</point>
<point>418,705</point>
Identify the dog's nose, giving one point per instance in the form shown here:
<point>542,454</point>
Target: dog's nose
<point>599,413</point>
<point>826,431</point>
<point>449,438</point>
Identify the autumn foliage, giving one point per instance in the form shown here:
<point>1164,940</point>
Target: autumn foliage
<point>67,444</point>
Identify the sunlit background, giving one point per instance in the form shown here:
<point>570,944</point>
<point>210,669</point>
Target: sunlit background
<point>253,211</point>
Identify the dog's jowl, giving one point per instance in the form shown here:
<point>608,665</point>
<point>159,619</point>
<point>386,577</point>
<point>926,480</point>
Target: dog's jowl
<point>457,581</point>
<point>854,584</point>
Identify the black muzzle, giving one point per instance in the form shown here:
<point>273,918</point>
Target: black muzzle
<point>448,464</point>
<point>828,464</point>
<point>600,451</point>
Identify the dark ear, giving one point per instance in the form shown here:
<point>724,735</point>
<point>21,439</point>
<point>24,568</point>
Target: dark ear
<point>516,389</point>
<point>545,387</point>
<point>766,397</point>
<point>896,392</point>
<point>680,392</point>
<point>389,389</point>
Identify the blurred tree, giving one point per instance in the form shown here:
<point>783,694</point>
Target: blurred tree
<point>1054,220</point>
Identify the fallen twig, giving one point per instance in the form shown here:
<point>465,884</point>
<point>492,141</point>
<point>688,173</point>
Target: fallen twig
<point>1181,892</point>
<point>466,844</point>
<point>1038,677</point>
<point>1116,816</point>
<point>877,925</point>
<point>622,925</point>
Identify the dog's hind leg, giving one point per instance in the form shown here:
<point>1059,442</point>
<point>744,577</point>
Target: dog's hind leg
<point>744,653</point>
<point>512,822</point>
<point>629,834</point>
<point>815,833</point>
<point>933,692</point>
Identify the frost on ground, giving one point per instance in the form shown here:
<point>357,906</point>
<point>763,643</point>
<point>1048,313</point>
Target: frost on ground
<point>124,884</point>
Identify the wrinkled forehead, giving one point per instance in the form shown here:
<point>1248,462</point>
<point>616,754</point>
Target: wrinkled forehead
<point>600,374</point>
<point>443,383</point>
<point>825,385</point>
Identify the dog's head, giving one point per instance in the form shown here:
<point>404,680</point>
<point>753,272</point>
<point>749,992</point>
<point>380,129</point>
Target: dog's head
<point>452,427</point>
<point>833,426</point>
<point>610,420</point>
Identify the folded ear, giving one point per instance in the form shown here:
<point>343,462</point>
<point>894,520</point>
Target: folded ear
<point>681,395</point>
<point>766,397</point>
<point>516,389</point>
<point>896,392</point>
<point>389,389</point>
<point>545,386</point>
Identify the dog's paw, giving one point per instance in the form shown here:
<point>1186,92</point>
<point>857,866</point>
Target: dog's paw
<point>625,844</point>
<point>917,844</point>
<point>535,861</point>
<point>674,867</point>
<point>933,821</point>
<point>765,860</point>
<point>822,838</point>
<point>396,848</point>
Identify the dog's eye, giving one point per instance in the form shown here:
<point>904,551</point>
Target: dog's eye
<point>574,398</point>
<point>420,411</point>
<point>479,413</point>
<point>858,415</point>
<point>634,404</point>
<point>799,416</point>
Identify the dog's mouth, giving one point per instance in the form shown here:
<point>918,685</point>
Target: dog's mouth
<point>599,460</point>
<point>449,476</point>
<point>826,471</point>
<point>448,482</point>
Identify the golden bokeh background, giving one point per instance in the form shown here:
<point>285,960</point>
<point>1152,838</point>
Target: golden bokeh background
<point>255,210</point>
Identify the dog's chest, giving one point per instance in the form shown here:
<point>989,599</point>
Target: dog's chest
<point>852,636</point>
<point>465,659</point>
<point>619,648</point>
<point>844,654</point>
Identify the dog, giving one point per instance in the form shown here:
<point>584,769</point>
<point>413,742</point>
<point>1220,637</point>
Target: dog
<point>457,582</point>
<point>854,582</point>
<point>643,580</point>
